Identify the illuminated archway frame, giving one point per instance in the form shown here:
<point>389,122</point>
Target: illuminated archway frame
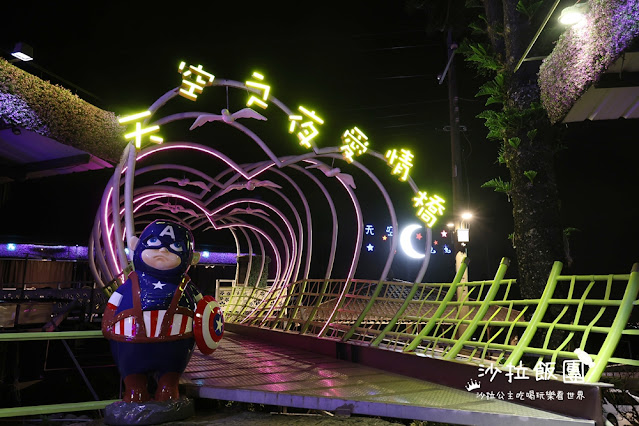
<point>123,209</point>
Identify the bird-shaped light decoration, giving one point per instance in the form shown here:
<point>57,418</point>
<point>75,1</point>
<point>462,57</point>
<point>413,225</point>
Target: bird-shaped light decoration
<point>250,185</point>
<point>227,117</point>
<point>185,182</point>
<point>173,208</point>
<point>334,171</point>
<point>248,210</point>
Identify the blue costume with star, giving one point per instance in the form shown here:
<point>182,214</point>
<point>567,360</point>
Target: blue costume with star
<point>149,318</point>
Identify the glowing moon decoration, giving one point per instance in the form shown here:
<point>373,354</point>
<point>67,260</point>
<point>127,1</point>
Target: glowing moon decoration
<point>405,243</point>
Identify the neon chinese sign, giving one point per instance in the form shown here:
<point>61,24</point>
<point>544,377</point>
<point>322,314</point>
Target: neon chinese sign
<point>194,79</point>
<point>137,134</point>
<point>304,124</point>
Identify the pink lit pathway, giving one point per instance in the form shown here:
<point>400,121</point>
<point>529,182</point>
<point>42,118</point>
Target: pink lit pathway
<point>245,369</point>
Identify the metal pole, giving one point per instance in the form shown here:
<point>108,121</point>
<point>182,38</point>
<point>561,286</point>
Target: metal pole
<point>453,110</point>
<point>456,162</point>
<point>532,42</point>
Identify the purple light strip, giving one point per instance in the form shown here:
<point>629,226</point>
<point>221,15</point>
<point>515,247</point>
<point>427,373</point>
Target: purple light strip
<point>59,252</point>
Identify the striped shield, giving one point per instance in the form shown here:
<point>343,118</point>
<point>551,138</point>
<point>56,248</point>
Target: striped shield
<point>208,325</point>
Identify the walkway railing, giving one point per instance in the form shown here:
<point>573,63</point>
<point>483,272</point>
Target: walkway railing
<point>475,322</point>
<point>485,324</point>
<point>96,404</point>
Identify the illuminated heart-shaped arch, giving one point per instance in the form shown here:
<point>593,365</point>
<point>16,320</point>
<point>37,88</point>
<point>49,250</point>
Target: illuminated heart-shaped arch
<point>212,199</point>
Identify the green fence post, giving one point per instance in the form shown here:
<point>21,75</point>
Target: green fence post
<point>399,313</point>
<point>468,333</point>
<point>338,306</point>
<point>318,302</point>
<point>612,339</point>
<point>362,314</point>
<point>530,331</point>
<point>302,288</point>
<point>442,307</point>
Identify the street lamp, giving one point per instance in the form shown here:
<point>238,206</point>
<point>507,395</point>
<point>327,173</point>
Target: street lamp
<point>568,16</point>
<point>463,237</point>
<point>23,51</point>
<point>463,232</point>
<point>574,14</point>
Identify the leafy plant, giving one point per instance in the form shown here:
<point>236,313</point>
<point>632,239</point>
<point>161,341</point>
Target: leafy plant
<point>494,89</point>
<point>496,123</point>
<point>498,185</point>
<point>501,159</point>
<point>476,27</point>
<point>530,174</point>
<point>569,231</point>
<point>478,54</point>
<point>528,8</point>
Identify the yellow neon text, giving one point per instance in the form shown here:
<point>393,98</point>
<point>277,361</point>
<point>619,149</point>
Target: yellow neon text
<point>354,142</point>
<point>190,89</point>
<point>266,90</point>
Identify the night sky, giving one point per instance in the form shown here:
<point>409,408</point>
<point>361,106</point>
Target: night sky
<point>367,63</point>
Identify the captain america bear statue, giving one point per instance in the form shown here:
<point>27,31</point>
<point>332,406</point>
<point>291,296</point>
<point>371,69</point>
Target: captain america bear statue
<point>155,318</point>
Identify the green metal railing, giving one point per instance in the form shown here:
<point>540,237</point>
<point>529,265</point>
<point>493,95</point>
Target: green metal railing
<point>55,408</point>
<point>473,322</point>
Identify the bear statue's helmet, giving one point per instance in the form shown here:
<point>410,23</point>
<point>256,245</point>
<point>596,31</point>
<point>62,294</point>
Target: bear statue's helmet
<point>164,233</point>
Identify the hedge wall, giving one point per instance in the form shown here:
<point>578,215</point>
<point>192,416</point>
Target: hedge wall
<point>584,52</point>
<point>31,103</point>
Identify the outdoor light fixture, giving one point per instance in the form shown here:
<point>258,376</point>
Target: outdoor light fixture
<point>23,51</point>
<point>569,16</point>
<point>573,14</point>
<point>463,233</point>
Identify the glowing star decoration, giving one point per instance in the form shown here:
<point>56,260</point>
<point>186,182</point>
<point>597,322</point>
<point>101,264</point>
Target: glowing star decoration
<point>429,207</point>
<point>139,131</point>
<point>384,237</point>
<point>354,142</point>
<point>401,164</point>
<point>194,79</point>
<point>370,247</point>
<point>308,130</point>
<point>260,86</point>
<point>444,233</point>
